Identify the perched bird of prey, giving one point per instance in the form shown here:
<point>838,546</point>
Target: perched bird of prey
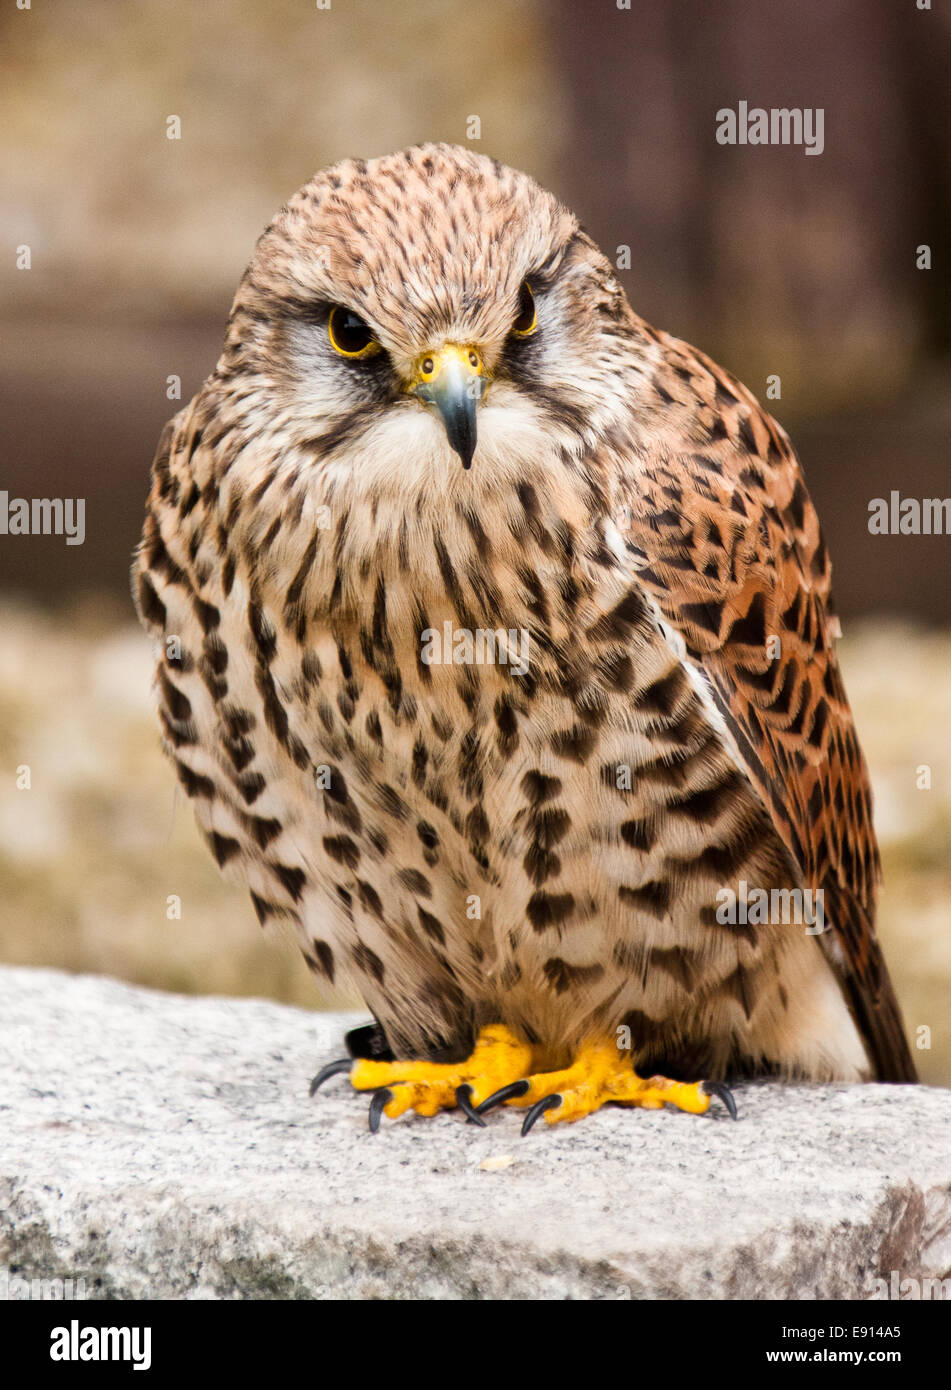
<point>497,657</point>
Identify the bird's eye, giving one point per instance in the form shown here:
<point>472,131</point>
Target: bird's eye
<point>527,320</point>
<point>349,335</point>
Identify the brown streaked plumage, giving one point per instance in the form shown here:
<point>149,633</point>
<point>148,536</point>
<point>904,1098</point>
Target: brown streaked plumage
<point>475,846</point>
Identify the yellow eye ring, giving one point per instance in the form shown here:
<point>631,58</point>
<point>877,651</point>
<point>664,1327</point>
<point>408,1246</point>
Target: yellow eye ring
<point>349,335</point>
<point>527,320</point>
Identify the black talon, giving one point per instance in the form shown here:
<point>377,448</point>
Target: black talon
<point>539,1108</point>
<point>331,1069</point>
<point>514,1088</point>
<point>463,1094</point>
<point>717,1088</point>
<point>380,1098</point>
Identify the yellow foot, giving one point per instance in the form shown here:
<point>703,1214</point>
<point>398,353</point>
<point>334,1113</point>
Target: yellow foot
<point>498,1058</point>
<point>500,1072</point>
<point>600,1074</point>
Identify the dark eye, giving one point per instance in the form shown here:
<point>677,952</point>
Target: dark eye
<point>527,320</point>
<point>349,335</point>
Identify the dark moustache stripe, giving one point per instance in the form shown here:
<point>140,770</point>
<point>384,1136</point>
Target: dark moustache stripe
<point>348,430</point>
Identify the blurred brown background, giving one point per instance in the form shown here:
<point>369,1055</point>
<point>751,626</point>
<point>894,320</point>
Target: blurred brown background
<point>772,261</point>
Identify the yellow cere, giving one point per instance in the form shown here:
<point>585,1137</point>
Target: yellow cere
<point>433,364</point>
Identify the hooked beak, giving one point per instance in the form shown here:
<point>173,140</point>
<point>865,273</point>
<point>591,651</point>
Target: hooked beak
<point>453,379</point>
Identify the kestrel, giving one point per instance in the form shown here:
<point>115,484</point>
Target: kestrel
<point>497,655</point>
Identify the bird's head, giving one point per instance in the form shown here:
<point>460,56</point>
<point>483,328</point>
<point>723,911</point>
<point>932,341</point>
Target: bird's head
<point>406,318</point>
